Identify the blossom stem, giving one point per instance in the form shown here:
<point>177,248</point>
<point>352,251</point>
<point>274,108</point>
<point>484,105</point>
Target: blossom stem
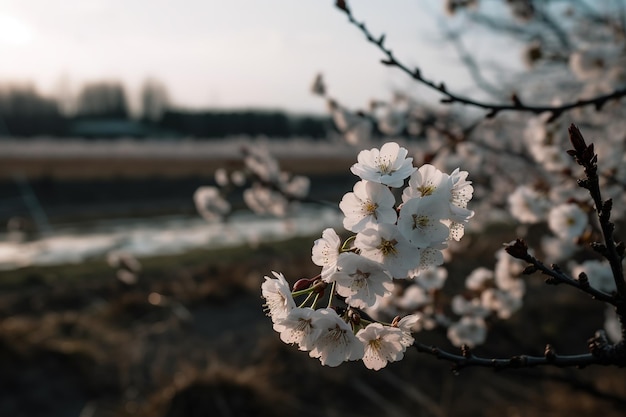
<point>308,297</point>
<point>332,293</point>
<point>302,292</point>
<point>317,296</point>
<point>348,240</point>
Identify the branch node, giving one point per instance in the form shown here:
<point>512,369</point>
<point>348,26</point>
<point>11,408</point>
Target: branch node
<point>465,351</point>
<point>555,115</point>
<point>549,353</point>
<point>605,212</point>
<point>551,281</point>
<point>492,113</point>
<point>529,270</point>
<point>599,247</point>
<point>341,4</point>
<point>620,248</point>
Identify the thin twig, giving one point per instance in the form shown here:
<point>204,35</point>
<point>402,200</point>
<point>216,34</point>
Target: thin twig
<point>450,97</point>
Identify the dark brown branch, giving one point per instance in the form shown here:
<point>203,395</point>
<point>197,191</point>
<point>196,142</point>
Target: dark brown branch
<point>600,353</point>
<point>519,250</point>
<point>613,251</point>
<point>493,108</point>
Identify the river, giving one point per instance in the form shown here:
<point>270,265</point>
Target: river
<point>159,236</point>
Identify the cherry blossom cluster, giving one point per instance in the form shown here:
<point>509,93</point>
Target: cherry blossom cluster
<point>267,190</point>
<point>521,175</point>
<point>387,275</point>
<point>392,241</point>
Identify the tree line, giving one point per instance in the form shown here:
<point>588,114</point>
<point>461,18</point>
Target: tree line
<point>101,109</point>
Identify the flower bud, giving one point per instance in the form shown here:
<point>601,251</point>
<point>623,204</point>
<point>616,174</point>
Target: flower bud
<point>302,284</point>
<point>517,249</point>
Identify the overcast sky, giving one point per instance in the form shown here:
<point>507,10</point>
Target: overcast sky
<point>228,53</point>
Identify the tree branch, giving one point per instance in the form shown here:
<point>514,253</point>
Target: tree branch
<point>519,250</point>
<point>450,97</point>
<point>601,352</point>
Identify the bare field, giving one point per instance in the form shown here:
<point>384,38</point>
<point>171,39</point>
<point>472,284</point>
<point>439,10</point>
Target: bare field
<point>103,168</point>
<point>70,160</point>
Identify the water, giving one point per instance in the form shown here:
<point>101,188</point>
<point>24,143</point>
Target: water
<point>160,236</point>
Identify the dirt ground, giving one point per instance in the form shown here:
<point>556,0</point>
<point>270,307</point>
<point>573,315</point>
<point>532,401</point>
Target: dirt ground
<point>190,339</point>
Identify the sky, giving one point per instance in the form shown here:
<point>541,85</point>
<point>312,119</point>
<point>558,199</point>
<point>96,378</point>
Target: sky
<point>225,54</point>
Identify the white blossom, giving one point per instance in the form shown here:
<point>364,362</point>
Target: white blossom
<point>261,163</point>
<point>420,221</point>
<point>432,278</point>
<point>388,166</point>
<point>470,331</point>
<point>361,280</point>
<point>410,323</point>
<point>262,200</point>
<point>385,244</point>
<point>504,303</point>
<point>567,221</point>
<point>336,342</point>
<point>426,181</point>
<point>429,257</point>
<point>479,278</point>
<point>469,307</point>
<point>527,205</point>
<point>221,177</point>
<point>555,249</point>
<point>370,203</point>
<point>515,286</point>
<point>278,299</point>
<point>325,253</point>
<point>355,129</point>
<point>507,267</point>
<point>301,327</point>
<point>296,187</point>
<point>383,344</point>
<point>413,297</point>
<point>238,178</point>
<point>599,274</point>
<point>461,193</point>
<point>210,203</point>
